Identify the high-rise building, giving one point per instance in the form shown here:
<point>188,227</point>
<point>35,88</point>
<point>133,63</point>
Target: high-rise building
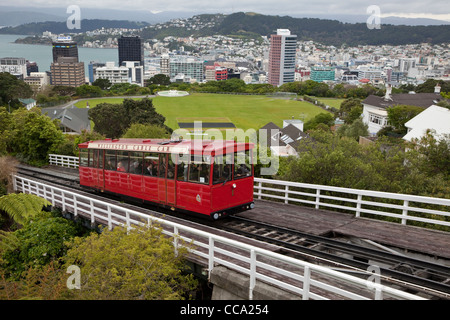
<point>189,67</point>
<point>164,65</point>
<point>282,53</point>
<point>131,49</point>
<point>67,71</point>
<point>14,66</point>
<point>64,47</point>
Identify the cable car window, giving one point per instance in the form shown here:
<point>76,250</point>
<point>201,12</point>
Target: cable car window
<point>164,164</point>
<point>84,157</point>
<point>100,159</point>
<point>136,159</point>
<point>93,158</point>
<point>110,160</point>
<point>122,161</point>
<point>242,164</point>
<point>182,169</point>
<point>222,168</point>
<point>199,170</point>
<point>151,161</point>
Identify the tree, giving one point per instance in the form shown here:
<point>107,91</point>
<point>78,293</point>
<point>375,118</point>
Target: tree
<point>431,155</point>
<point>89,91</point>
<point>321,118</point>
<point>140,264</point>
<point>103,84</point>
<point>11,89</point>
<point>355,130</point>
<point>32,135</point>
<point>350,110</point>
<point>138,130</point>
<point>159,79</point>
<point>112,120</point>
<point>328,159</point>
<point>40,241</point>
<point>400,114</point>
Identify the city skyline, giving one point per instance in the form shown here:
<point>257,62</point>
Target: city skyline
<point>414,9</point>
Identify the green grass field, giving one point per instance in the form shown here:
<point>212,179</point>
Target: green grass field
<point>332,102</point>
<point>246,112</point>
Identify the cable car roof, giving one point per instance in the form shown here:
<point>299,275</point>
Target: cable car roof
<point>194,146</point>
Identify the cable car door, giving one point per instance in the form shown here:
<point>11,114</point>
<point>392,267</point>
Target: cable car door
<point>166,183</point>
<point>97,172</point>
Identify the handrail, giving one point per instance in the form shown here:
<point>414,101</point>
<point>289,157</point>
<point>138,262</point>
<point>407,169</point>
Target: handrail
<point>64,161</point>
<point>394,205</point>
<point>259,264</point>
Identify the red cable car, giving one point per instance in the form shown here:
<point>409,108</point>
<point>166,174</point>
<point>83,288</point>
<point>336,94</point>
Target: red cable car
<point>209,177</point>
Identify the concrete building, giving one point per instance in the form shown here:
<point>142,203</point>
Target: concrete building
<point>37,80</point>
<point>67,71</point>
<point>131,49</point>
<point>93,65</point>
<point>320,74</point>
<point>128,72</point>
<point>189,67</point>
<point>282,57</point>
<point>14,66</point>
<point>164,65</point>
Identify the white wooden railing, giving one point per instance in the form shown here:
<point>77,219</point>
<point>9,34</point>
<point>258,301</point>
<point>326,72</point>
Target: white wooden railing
<point>371,203</point>
<point>394,205</point>
<point>298,276</point>
<point>63,161</point>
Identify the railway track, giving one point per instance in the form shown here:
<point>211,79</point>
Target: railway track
<point>415,276</point>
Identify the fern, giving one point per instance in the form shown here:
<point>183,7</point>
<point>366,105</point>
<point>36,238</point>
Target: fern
<point>8,241</point>
<point>21,207</point>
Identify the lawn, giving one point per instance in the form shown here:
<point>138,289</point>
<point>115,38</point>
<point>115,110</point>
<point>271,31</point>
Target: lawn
<point>244,111</point>
<point>332,102</point>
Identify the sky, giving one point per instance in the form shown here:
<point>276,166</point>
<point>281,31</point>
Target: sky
<point>437,9</point>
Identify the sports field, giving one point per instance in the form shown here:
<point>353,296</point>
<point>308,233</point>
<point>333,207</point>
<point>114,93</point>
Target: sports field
<point>245,112</point>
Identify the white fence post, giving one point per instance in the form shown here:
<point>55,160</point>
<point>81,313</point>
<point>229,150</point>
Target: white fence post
<point>306,283</point>
<point>317,198</point>
<point>405,211</point>
<point>358,205</point>
<point>252,273</point>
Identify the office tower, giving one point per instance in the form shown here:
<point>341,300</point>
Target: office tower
<point>282,57</point>
<point>187,67</point>
<point>164,65</point>
<point>64,47</point>
<point>14,66</point>
<point>67,71</point>
<point>131,49</point>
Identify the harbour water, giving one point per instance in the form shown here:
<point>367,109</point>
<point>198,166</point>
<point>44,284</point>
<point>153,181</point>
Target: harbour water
<point>42,54</point>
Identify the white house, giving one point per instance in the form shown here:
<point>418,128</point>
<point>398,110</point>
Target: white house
<point>375,107</point>
<point>434,118</point>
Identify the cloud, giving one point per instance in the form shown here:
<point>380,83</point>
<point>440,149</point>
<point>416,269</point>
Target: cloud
<point>280,7</point>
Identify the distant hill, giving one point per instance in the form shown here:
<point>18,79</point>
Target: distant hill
<point>333,32</point>
<point>326,31</point>
<point>36,28</point>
